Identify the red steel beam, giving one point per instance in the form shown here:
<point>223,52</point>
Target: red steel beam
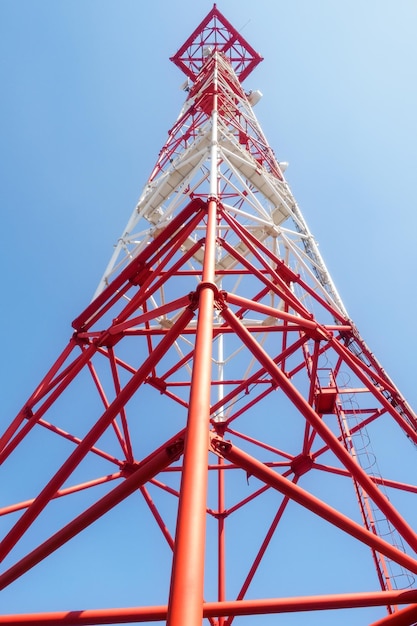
<point>262,444</point>
<point>363,372</point>
<point>149,467</point>
<point>150,283</point>
<point>261,552</point>
<point>157,516</point>
<point>123,282</point>
<point>73,370</point>
<point>66,435</point>
<point>54,369</point>
<point>245,384</point>
<point>263,252</point>
<point>404,617</point>
<point>269,280</point>
<point>150,315</point>
<point>255,400</point>
<point>323,430</point>
<point>25,521</point>
<point>187,579</point>
<point>311,368</point>
<point>12,508</point>
<point>245,501</point>
<point>217,330</point>
<point>267,475</point>
<point>221,540</point>
<point>217,609</point>
<point>379,480</point>
<point>125,440</point>
<point>252,305</point>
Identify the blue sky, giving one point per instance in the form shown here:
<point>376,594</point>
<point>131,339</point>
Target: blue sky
<point>89,94</point>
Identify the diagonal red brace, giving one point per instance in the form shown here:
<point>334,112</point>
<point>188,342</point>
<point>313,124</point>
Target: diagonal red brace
<point>267,475</point>
<point>322,429</point>
<point>146,470</point>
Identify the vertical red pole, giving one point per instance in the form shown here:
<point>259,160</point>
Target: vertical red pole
<point>221,540</point>
<point>185,607</point>
<point>187,579</point>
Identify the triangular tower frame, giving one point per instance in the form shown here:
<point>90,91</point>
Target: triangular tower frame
<point>216,347</point>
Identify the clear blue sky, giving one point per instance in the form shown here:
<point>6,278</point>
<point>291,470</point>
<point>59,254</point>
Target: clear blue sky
<point>88,95</point>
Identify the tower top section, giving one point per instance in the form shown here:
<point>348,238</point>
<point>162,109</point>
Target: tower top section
<point>216,33</point>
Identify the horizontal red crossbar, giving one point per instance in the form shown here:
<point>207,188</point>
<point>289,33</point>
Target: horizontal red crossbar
<point>217,609</point>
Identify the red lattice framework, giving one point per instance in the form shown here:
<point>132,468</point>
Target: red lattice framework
<point>216,33</point>
<point>223,401</point>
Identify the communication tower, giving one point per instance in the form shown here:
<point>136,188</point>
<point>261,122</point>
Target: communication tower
<point>215,418</point>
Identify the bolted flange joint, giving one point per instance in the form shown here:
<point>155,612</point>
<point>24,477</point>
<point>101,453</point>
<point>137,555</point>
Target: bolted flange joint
<point>128,468</point>
<point>79,338</point>
<point>28,413</point>
<point>195,295</point>
<point>175,450</point>
<point>220,446</point>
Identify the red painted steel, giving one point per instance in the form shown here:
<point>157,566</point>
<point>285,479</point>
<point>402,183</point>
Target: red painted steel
<point>63,492</point>
<point>217,32</point>
<point>303,406</point>
<point>215,609</point>
<point>144,472</point>
<point>90,439</point>
<point>264,473</point>
<point>404,617</point>
<point>217,382</point>
<point>221,559</point>
<point>187,580</point>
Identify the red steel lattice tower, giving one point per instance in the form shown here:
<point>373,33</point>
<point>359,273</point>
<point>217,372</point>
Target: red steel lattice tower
<point>216,393</point>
